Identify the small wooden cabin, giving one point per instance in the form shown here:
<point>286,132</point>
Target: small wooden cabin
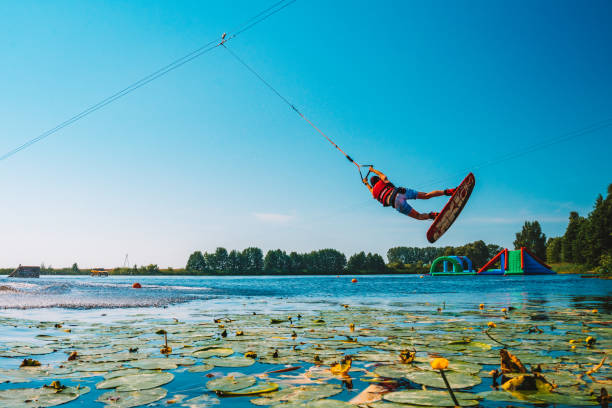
<point>26,272</point>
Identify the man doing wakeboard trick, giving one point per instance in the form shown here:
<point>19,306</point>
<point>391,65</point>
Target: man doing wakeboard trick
<point>388,195</point>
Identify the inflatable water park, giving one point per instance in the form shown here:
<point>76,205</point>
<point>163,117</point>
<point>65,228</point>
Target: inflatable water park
<point>506,262</point>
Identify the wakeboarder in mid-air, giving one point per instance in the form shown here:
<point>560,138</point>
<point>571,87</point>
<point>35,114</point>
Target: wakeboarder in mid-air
<point>397,197</point>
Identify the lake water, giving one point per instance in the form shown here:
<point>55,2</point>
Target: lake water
<point>106,300</point>
<point>77,295</point>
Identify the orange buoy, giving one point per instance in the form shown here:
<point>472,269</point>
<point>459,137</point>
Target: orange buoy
<point>354,280</point>
<point>137,285</point>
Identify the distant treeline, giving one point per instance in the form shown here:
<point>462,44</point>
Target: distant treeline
<point>587,241</point>
<point>479,252</point>
<point>251,261</point>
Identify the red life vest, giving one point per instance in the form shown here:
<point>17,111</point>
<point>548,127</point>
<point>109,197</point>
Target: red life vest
<point>384,192</point>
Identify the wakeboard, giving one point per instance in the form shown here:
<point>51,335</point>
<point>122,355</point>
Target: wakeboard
<point>452,209</point>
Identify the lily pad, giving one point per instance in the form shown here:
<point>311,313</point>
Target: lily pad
<point>161,363</point>
<point>136,382</point>
<point>394,370</point>
<point>39,397</point>
<point>200,368</point>
<point>230,383</point>
<point>299,394</point>
<point>231,362</point>
<point>203,401</point>
<point>434,379</point>
<point>132,398</point>
<point>256,389</point>
<point>213,352</point>
<point>321,403</point>
<point>431,398</point>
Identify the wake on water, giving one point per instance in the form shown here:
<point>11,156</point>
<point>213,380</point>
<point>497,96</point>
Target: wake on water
<point>84,294</point>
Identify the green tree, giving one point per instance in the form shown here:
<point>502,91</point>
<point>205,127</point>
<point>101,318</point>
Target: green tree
<point>277,261</point>
<point>151,269</point>
<point>234,262</point>
<point>75,269</point>
<point>216,261</point>
<point>375,263</point>
<point>532,238</point>
<point>253,260</point>
<point>296,262</point>
<point>493,250</point>
<point>357,262</point>
<point>570,237</point>
<point>195,263</point>
<point>553,249</point>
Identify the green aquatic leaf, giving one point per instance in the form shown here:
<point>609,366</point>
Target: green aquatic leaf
<point>456,365</point>
<point>203,401</point>
<point>468,345</point>
<point>51,399</point>
<point>131,398</point>
<point>299,394</point>
<point>200,368</point>
<point>161,363</point>
<point>431,398</point>
<point>434,379</point>
<point>230,383</point>
<point>384,404</point>
<point>230,362</point>
<point>213,352</point>
<point>394,370</point>
<point>377,356</point>
<point>321,403</point>
<point>136,382</point>
<point>39,397</point>
<point>261,388</point>
<point>123,372</point>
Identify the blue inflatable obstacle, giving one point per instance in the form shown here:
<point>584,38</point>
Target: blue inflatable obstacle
<point>518,262</point>
<point>461,265</point>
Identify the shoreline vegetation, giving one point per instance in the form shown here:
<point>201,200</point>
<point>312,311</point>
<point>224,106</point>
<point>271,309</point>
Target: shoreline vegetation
<point>586,247</point>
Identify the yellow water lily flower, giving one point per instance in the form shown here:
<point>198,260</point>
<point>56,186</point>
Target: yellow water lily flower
<point>407,356</point>
<point>491,324</point>
<point>439,363</point>
<point>342,367</point>
<point>481,306</point>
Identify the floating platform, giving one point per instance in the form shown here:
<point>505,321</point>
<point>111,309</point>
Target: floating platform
<point>505,263</point>
<point>461,265</point>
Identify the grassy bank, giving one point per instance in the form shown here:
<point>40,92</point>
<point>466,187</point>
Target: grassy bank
<point>565,267</point>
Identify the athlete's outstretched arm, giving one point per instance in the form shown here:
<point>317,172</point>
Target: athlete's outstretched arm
<point>379,174</point>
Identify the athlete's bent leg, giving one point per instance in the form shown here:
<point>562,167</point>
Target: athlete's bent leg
<point>417,215</point>
<point>427,196</point>
<point>402,206</point>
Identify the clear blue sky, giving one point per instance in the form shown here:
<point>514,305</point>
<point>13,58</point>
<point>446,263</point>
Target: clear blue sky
<point>206,156</point>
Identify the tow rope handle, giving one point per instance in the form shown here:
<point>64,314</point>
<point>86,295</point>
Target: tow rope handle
<point>364,179</point>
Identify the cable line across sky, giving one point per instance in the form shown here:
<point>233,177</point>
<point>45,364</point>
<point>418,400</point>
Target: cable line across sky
<point>209,46</point>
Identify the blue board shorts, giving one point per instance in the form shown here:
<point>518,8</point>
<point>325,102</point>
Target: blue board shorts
<point>401,204</point>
